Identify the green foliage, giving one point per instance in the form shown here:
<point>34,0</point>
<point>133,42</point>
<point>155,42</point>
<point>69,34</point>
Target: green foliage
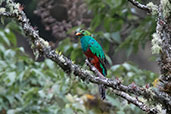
<point>131,73</point>
<point>27,86</point>
<point>115,24</point>
<point>118,19</point>
<point>30,87</point>
<point>72,50</point>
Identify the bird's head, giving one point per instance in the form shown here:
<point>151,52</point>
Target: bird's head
<point>82,33</point>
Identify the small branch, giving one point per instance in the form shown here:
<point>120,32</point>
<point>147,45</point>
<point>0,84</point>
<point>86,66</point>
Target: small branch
<point>124,95</point>
<point>94,69</point>
<point>136,102</point>
<point>140,6</point>
<point>134,89</point>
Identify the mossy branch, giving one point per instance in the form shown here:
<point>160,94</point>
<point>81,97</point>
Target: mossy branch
<point>68,66</point>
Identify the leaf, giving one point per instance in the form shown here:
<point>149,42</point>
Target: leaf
<point>96,22</point>
<point>3,64</point>
<point>115,102</point>
<point>116,37</point>
<point>20,66</point>
<point>2,20</point>
<point>107,23</point>
<point>29,95</point>
<point>21,75</point>
<point>10,36</point>
<point>13,26</point>
<point>11,111</point>
<point>129,51</point>
<point>108,59</point>
<point>107,35</point>
<point>120,112</point>
<point>4,38</point>
<point>42,94</point>
<point>68,111</point>
<point>11,77</point>
<point>9,54</point>
<point>115,67</point>
<point>49,63</point>
<point>64,45</point>
<point>77,55</point>
<point>2,48</point>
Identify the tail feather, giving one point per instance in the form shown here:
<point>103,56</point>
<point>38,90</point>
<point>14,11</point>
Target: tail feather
<point>102,91</point>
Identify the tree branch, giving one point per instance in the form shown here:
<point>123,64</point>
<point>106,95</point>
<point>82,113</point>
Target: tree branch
<point>140,6</point>
<point>136,102</point>
<point>124,95</point>
<point>67,65</point>
<point>163,32</point>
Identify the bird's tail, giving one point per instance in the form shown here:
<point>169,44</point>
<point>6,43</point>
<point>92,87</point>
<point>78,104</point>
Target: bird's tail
<point>102,91</point>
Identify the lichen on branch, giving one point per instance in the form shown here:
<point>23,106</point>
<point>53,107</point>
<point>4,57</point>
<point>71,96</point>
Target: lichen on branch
<point>68,66</point>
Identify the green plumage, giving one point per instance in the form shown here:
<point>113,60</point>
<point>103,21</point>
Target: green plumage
<point>88,42</point>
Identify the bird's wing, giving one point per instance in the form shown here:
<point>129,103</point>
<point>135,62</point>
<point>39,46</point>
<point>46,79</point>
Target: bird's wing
<point>96,49</point>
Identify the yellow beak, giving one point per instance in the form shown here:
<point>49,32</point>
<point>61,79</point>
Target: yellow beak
<point>78,34</point>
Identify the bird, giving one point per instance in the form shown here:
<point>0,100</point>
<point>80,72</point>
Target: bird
<point>95,55</point>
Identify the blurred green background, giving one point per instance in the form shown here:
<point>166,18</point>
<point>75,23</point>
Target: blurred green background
<point>29,86</point>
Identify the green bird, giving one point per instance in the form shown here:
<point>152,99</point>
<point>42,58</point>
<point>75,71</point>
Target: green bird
<point>94,53</point>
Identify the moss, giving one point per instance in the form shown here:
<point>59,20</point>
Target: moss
<point>154,8</point>
<point>166,7</point>
<point>156,42</point>
<point>2,10</point>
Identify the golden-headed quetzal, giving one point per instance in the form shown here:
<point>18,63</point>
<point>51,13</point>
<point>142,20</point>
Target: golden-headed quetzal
<point>94,54</point>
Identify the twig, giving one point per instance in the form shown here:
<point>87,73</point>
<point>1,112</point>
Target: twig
<point>136,102</point>
<point>140,6</point>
